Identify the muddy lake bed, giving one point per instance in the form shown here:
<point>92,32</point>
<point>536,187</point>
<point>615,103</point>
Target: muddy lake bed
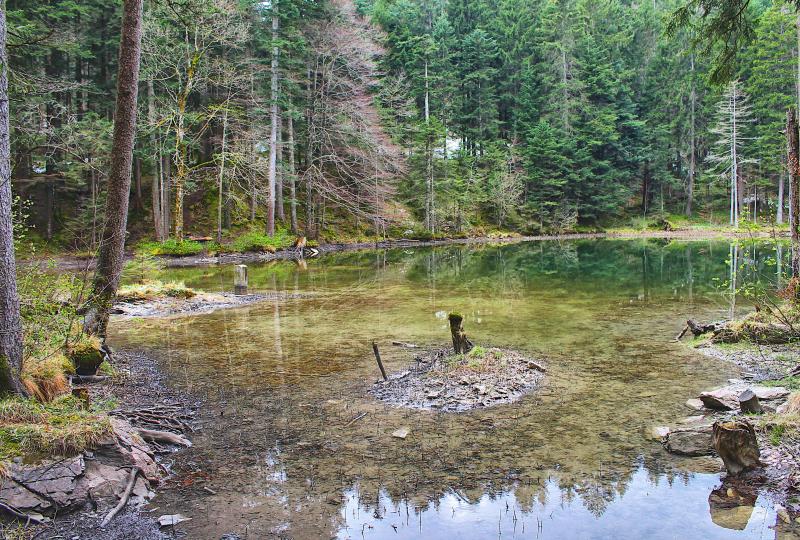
<point>293,445</point>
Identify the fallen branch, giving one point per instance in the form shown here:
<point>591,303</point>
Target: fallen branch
<point>21,515</point>
<point>124,499</point>
<point>356,419</point>
<point>150,435</point>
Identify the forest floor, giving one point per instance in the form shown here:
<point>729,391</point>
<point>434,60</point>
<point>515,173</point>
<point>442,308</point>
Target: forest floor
<point>67,261</point>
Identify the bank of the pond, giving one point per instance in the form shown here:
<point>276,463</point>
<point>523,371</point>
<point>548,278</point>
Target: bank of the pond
<point>72,262</point>
<point>771,372</point>
<point>148,404</point>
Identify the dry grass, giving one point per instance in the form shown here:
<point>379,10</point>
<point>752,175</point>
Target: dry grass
<point>46,379</point>
<point>781,428</point>
<point>153,290</point>
<point>63,427</point>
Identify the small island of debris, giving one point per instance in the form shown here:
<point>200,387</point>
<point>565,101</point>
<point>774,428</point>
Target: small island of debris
<point>461,378</point>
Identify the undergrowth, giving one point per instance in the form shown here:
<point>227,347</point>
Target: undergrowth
<point>153,289</point>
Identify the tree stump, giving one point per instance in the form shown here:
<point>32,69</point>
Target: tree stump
<point>240,279</point>
<point>749,403</point>
<point>736,444</point>
<point>461,344</point>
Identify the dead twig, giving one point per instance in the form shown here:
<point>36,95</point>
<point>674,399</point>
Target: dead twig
<point>124,499</point>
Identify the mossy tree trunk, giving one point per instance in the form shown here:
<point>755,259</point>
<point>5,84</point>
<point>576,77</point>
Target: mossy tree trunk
<point>461,343</point>
<point>10,322</point>
<point>112,246</point>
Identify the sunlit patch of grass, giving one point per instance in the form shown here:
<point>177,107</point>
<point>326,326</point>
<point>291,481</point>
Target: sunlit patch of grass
<point>780,427</point>
<point>152,290</point>
<point>171,248</point>
<point>64,427</point>
<point>790,383</point>
<point>255,241</point>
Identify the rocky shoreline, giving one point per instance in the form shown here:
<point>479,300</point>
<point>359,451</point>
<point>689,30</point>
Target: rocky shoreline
<point>69,497</point>
<point>779,474</point>
<point>200,303</point>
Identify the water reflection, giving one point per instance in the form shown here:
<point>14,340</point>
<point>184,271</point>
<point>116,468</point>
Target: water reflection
<point>293,446</point>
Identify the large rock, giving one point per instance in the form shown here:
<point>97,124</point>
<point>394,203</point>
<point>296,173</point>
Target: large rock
<point>690,441</point>
<point>727,397</point>
<point>57,485</point>
<point>736,444</point>
<point>792,405</point>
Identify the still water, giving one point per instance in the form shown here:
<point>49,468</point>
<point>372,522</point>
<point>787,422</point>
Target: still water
<point>291,445</point>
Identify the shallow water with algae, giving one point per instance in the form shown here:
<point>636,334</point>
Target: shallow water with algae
<point>293,446</point>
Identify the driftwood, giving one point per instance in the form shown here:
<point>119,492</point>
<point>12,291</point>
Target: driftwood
<point>89,379</point>
<point>461,343</point>
<point>736,444</point>
<point>164,437</point>
<point>698,329</point>
<point>124,499</point>
<point>27,518</point>
<point>378,359</point>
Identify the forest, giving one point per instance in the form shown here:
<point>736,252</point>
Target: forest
<point>373,119</point>
<point>388,269</point>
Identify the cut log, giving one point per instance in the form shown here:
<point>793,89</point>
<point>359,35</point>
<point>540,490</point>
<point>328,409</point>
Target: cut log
<point>163,437</point>
<point>749,403</point>
<point>698,329</point>
<point>736,444</point>
<point>461,344</point>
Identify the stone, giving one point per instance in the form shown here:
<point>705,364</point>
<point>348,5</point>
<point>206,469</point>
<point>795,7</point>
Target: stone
<point>792,405</point>
<point>51,485</point>
<point>782,514</point>
<point>731,509</point>
<point>749,403</point>
<point>690,441</point>
<point>695,404</point>
<point>736,444</point>
<point>172,519</point>
<point>727,397</point>
<point>401,433</point>
<point>656,433</point>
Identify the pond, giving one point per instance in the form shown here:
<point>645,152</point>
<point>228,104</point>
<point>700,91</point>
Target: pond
<point>292,445</point>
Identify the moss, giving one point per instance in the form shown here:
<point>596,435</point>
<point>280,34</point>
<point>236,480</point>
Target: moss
<point>107,369</point>
<point>172,248</point>
<point>255,241</point>
<point>63,427</point>
<point>86,355</point>
<point>154,289</point>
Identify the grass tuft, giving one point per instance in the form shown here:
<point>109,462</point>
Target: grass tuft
<point>151,290</point>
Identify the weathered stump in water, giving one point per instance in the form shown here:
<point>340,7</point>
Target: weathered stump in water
<point>240,279</point>
<point>736,444</point>
<point>461,343</point>
<point>749,403</point>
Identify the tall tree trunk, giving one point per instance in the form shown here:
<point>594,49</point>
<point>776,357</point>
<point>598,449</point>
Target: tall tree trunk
<point>779,217</point>
<point>793,153</point>
<point>220,191</point>
<point>430,219</point>
<point>10,321</point>
<point>279,172</point>
<point>273,134</point>
<point>692,143</point>
<point>158,213</point>
<point>112,244</point>
<point>292,175</point>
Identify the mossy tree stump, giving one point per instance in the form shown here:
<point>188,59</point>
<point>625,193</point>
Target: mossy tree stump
<point>461,343</point>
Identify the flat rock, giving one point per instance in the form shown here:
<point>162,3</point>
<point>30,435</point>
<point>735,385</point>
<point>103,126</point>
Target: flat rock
<point>695,404</point>
<point>51,485</point>
<point>401,433</point>
<point>727,397</point>
<point>690,441</point>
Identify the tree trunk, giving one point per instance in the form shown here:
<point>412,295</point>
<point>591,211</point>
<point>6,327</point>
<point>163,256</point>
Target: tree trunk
<point>779,217</point>
<point>220,191</point>
<point>158,212</point>
<point>112,245</point>
<point>793,153</point>
<point>273,134</point>
<point>736,444</point>
<point>292,175</point>
<point>692,144</point>
<point>461,344</point>
<point>279,172</point>
<point>10,321</point>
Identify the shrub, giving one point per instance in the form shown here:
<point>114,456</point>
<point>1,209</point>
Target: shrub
<point>257,241</point>
<point>172,248</point>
